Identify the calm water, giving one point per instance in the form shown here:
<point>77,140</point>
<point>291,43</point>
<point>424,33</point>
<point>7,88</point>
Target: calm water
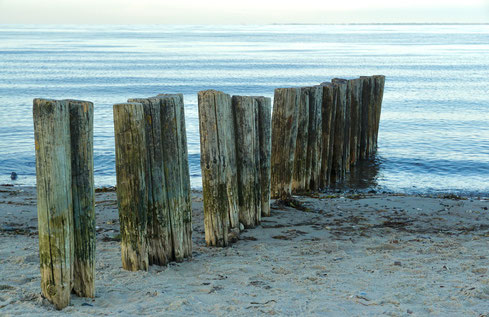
<point>434,131</point>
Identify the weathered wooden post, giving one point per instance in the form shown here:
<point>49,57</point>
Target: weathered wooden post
<point>158,233</point>
<point>314,142</point>
<point>83,195</point>
<point>354,96</point>
<point>265,136</point>
<point>379,82</point>
<point>54,199</point>
<point>338,164</point>
<point>299,176</point>
<point>367,116</point>
<point>132,190</point>
<point>347,123</point>
<point>245,109</point>
<point>328,111</point>
<point>284,135</point>
<point>177,177</point>
<point>218,163</point>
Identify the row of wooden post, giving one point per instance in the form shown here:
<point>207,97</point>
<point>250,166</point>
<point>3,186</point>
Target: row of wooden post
<point>319,132</point>
<point>247,155</point>
<point>63,131</point>
<point>235,160</point>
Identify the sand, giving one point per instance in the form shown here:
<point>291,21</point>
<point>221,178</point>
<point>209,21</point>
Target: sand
<point>341,255</point>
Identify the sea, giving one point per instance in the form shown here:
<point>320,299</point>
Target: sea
<point>434,127</point>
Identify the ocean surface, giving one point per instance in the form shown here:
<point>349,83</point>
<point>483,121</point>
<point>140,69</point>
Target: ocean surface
<point>434,129</point>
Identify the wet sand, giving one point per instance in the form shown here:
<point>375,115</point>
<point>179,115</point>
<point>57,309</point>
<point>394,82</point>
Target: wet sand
<point>340,255</point>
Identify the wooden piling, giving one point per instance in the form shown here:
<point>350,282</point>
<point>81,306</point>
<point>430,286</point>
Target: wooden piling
<point>158,234</point>
<point>265,134</point>
<point>54,199</point>
<point>83,195</point>
<point>132,190</point>
<point>367,101</point>
<point>284,135</point>
<point>299,176</point>
<point>347,123</point>
<point>354,97</point>
<point>338,168</point>
<point>245,110</point>
<point>379,82</point>
<point>328,112</point>
<point>177,177</point>
<point>218,163</point>
<point>314,141</point>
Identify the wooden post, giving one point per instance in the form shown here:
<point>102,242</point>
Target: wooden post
<point>338,164</point>
<point>299,176</point>
<point>314,142</point>
<point>158,220</point>
<point>83,195</point>
<point>354,92</point>
<point>132,190</point>
<point>379,81</point>
<point>218,163</point>
<point>265,125</point>
<point>328,111</point>
<point>347,124</point>
<point>367,101</point>
<point>177,177</point>
<point>54,199</point>
<point>245,110</point>
<point>284,135</point>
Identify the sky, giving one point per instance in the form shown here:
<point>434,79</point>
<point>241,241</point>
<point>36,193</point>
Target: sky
<point>242,12</point>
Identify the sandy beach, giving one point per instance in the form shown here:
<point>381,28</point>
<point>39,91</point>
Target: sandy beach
<point>339,255</point>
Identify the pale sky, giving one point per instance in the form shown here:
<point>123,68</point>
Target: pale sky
<point>242,12</point>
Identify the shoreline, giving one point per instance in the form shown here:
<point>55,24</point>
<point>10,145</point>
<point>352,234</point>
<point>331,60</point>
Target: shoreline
<point>342,254</point>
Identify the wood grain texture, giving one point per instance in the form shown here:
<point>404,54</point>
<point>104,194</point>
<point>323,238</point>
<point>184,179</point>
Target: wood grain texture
<point>300,175</point>
<point>379,82</point>
<point>177,177</point>
<point>83,195</point>
<point>54,199</point>
<point>368,116</point>
<point>284,134</point>
<point>338,164</point>
<point>328,112</point>
<point>314,141</point>
<point>245,109</point>
<point>218,164</point>
<point>265,136</point>
<point>132,190</point>
<point>160,249</point>
<point>354,97</point>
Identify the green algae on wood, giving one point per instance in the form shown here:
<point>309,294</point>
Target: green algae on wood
<point>265,134</point>
<point>218,164</point>
<point>328,113</point>
<point>132,190</point>
<point>299,174</point>
<point>83,195</point>
<point>284,135</point>
<point>245,110</point>
<point>158,219</point>
<point>177,177</point>
<point>54,199</point>
<point>314,141</point>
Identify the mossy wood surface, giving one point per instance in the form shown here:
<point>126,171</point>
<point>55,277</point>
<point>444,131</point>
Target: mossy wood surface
<point>132,189</point>
<point>54,199</point>
<point>218,164</point>
<point>265,137</point>
<point>83,195</point>
<point>245,109</point>
<point>284,135</point>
